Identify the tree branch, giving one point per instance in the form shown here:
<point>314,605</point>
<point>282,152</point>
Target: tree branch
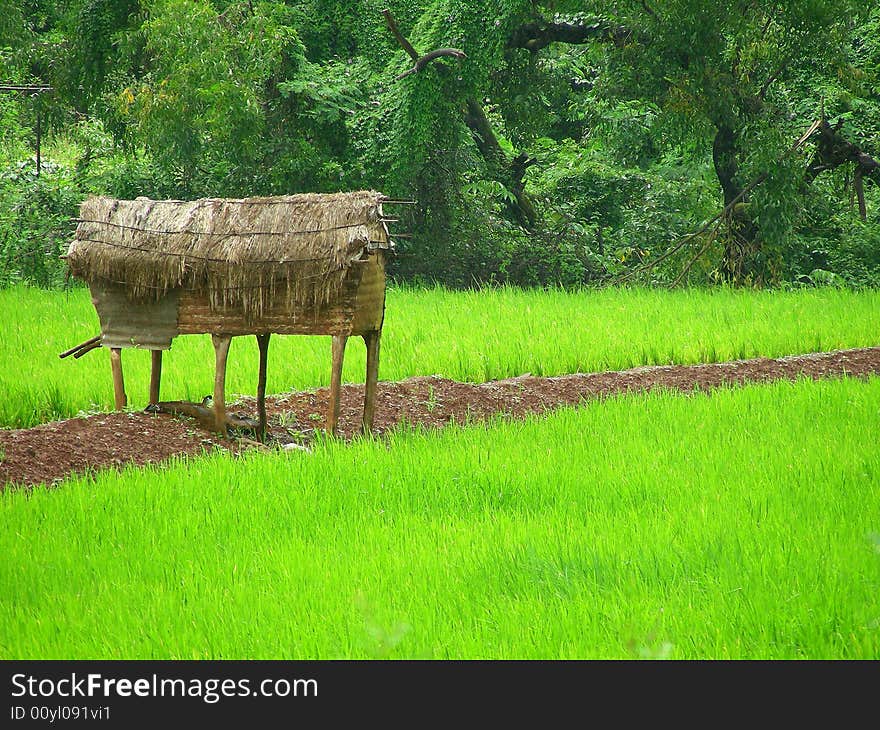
<point>833,150</point>
<point>649,11</point>
<point>683,241</point>
<point>404,43</point>
<point>539,34</point>
<point>423,61</point>
<point>770,79</point>
<point>509,173</point>
<point>710,239</point>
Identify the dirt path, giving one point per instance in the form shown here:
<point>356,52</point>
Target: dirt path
<point>51,452</point>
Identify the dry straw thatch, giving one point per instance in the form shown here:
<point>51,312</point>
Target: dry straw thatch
<point>244,254</point>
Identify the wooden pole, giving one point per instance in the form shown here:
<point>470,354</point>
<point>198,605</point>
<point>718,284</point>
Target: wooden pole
<point>371,339</point>
<point>39,134</point>
<point>221,352</point>
<point>87,348</point>
<point>263,344</point>
<point>155,375</point>
<point>118,381</point>
<point>72,350</point>
<point>335,382</point>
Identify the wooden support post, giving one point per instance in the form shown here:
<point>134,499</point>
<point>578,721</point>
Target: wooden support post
<point>155,375</point>
<point>221,352</point>
<point>39,134</point>
<point>263,344</point>
<point>118,381</point>
<point>371,339</point>
<point>335,382</point>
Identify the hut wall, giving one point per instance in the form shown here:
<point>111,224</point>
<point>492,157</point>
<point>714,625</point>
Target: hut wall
<point>369,311</point>
<point>359,308</point>
<point>148,325</point>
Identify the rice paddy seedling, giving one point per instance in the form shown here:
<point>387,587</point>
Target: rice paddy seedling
<point>470,336</point>
<point>736,525</point>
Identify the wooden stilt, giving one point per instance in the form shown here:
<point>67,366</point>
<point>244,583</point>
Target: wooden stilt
<point>263,344</point>
<point>371,339</point>
<point>118,381</point>
<point>155,375</point>
<point>335,382</point>
<point>221,352</point>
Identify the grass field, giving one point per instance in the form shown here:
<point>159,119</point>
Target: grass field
<point>742,524</point>
<point>471,336</point>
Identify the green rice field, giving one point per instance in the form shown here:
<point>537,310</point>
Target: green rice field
<point>470,336</point>
<point>737,525</point>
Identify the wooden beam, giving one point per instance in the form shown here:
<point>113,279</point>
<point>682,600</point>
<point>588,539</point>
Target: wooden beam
<point>25,88</point>
<point>118,381</point>
<point>263,344</point>
<point>155,375</point>
<point>87,348</point>
<point>371,339</point>
<point>221,352</point>
<point>72,350</point>
<point>335,382</point>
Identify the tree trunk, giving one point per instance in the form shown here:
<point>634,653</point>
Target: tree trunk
<point>741,243</point>
<point>508,172</point>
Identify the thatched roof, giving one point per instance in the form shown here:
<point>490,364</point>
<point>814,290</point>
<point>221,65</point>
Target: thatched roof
<point>243,253</point>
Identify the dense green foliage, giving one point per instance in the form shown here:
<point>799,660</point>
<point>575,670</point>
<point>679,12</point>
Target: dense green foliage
<point>575,142</point>
<point>655,526</point>
<point>432,332</point>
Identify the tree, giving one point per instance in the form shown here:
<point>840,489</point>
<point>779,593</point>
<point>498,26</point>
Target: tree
<point>220,95</point>
<point>545,142</point>
<point>723,64</point>
<point>731,74</point>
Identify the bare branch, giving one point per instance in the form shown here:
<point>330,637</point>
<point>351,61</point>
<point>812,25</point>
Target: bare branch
<point>710,239</point>
<point>428,57</point>
<point>404,43</point>
<point>509,173</point>
<point>421,61</point>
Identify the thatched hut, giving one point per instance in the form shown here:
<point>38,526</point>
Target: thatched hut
<point>292,264</point>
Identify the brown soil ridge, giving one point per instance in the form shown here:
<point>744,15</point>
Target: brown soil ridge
<point>53,451</point>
